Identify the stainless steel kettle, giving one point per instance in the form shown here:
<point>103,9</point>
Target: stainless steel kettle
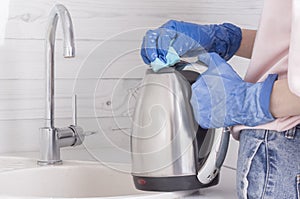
<point>169,150</point>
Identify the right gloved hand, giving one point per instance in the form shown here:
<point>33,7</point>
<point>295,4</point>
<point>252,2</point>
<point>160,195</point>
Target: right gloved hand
<point>220,98</point>
<point>162,47</point>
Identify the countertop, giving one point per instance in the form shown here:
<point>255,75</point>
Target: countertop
<point>225,188</point>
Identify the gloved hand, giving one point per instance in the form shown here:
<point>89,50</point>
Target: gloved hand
<point>162,47</point>
<point>220,98</point>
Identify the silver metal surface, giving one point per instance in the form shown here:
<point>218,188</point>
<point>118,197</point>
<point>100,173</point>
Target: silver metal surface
<point>74,108</point>
<point>163,134</point>
<point>222,151</point>
<point>165,139</point>
<point>58,11</point>
<point>79,135</point>
<point>49,147</point>
<point>51,138</point>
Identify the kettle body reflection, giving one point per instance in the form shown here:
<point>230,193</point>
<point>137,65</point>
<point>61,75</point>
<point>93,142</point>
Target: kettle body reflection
<point>169,150</point>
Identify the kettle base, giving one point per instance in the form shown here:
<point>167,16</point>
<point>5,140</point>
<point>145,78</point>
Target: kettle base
<point>176,183</point>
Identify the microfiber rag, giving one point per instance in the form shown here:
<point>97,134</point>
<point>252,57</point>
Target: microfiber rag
<point>172,58</point>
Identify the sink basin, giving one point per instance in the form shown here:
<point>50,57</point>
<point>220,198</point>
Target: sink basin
<point>21,177</point>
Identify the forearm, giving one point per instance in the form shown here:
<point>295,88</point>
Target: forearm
<point>246,47</point>
<point>283,102</point>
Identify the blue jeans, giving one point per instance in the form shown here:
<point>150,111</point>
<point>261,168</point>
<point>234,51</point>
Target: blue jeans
<point>269,164</point>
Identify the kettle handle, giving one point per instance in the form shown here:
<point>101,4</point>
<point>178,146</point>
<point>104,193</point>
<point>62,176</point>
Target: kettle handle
<point>180,65</point>
<point>212,166</point>
<point>221,154</point>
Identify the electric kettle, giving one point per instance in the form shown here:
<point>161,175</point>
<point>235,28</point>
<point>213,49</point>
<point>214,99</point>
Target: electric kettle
<point>169,150</point>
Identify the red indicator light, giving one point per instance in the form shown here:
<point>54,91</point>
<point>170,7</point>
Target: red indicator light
<point>141,181</point>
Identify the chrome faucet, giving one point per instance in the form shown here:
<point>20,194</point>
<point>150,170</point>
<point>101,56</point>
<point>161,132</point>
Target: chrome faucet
<point>52,138</point>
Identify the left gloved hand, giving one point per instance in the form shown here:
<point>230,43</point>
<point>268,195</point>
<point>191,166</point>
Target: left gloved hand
<point>220,98</point>
<point>164,46</point>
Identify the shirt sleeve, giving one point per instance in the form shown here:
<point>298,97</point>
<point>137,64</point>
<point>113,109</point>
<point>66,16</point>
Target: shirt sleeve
<point>294,50</point>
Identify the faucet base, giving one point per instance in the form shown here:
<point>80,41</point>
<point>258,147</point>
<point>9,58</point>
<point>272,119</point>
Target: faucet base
<point>45,163</point>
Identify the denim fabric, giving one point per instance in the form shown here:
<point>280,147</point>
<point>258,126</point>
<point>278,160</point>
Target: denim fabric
<point>269,164</point>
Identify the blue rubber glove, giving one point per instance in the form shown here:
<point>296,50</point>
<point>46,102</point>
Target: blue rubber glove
<point>162,47</point>
<point>220,98</point>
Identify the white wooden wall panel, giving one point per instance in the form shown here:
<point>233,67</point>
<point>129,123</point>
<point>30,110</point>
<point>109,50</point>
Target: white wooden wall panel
<point>22,135</point>
<point>108,37</point>
<point>24,99</point>
<point>25,59</point>
<point>94,19</point>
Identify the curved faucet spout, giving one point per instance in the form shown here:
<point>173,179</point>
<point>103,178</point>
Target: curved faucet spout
<point>58,11</point>
<point>52,138</point>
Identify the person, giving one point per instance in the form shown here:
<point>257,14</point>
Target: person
<point>263,109</point>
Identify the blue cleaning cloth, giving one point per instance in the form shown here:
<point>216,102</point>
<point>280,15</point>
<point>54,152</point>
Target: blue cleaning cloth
<point>171,59</point>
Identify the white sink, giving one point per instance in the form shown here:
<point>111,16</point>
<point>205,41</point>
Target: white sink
<point>21,177</point>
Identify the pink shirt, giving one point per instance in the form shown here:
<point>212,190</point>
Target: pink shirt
<point>277,50</point>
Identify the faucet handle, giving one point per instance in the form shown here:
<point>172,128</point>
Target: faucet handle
<point>74,110</point>
<point>80,134</point>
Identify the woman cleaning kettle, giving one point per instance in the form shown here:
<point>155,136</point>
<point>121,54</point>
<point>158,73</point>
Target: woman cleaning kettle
<point>263,109</point>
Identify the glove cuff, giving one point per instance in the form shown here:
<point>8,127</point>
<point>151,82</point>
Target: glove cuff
<point>265,95</point>
<point>228,40</point>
